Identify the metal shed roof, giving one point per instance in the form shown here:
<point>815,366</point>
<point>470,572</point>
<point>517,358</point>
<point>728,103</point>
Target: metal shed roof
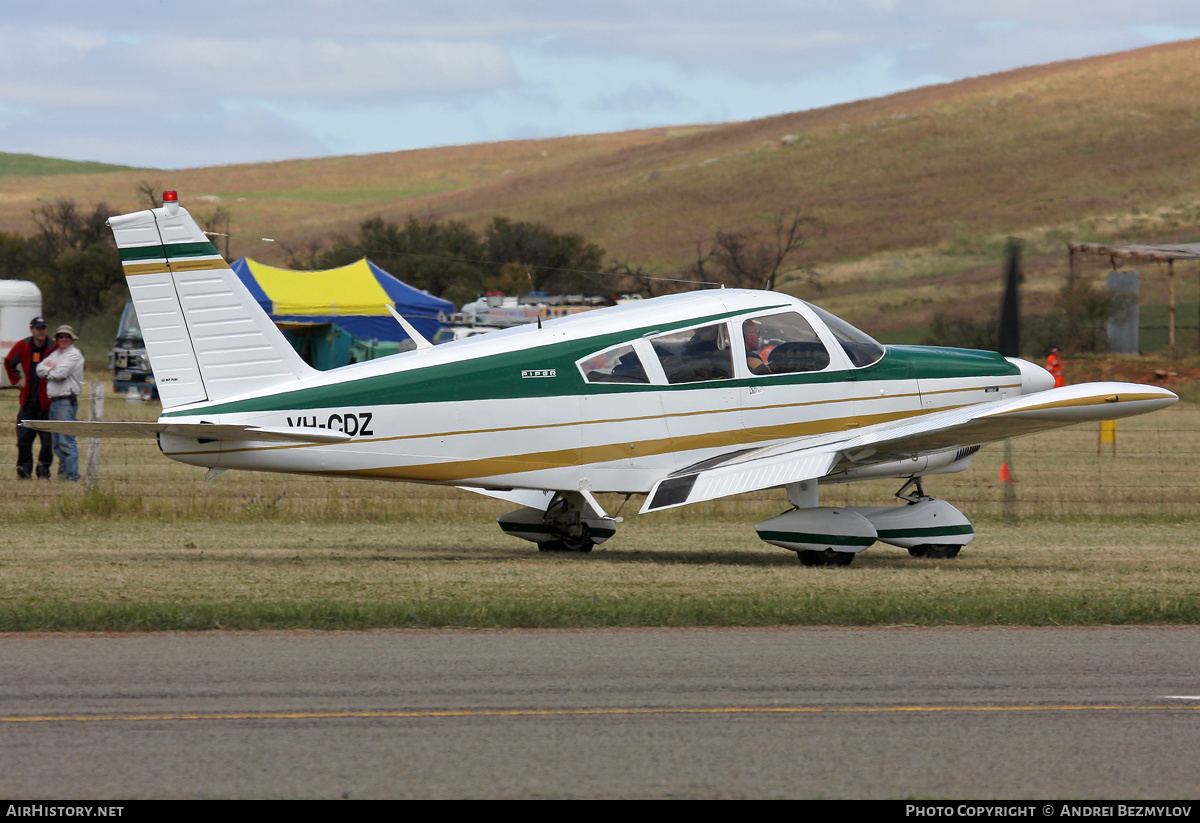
<point>1159,254</point>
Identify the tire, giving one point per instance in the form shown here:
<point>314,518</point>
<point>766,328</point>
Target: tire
<point>936,551</point>
<point>580,545</point>
<point>825,558</point>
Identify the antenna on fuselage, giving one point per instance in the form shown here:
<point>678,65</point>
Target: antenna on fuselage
<point>416,336</point>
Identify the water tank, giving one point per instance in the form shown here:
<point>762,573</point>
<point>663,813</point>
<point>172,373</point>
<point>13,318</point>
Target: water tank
<point>20,302</point>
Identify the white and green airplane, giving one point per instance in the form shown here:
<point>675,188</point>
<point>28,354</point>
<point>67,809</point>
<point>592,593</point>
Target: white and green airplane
<point>682,398</point>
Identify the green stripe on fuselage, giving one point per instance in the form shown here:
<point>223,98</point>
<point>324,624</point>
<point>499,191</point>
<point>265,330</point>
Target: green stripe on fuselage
<point>813,539</point>
<point>491,377</point>
<point>932,531</point>
<point>498,376</point>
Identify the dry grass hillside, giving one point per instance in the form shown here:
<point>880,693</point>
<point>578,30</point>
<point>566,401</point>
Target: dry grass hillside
<point>918,189</point>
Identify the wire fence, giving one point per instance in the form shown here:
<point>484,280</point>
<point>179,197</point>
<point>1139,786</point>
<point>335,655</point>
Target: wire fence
<point>1151,469</point>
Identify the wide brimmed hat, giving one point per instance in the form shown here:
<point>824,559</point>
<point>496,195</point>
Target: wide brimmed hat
<point>66,330</point>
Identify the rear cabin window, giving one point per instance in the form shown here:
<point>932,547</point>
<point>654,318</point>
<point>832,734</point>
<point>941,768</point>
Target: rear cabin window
<point>617,365</point>
<point>695,355</point>
<point>783,344</point>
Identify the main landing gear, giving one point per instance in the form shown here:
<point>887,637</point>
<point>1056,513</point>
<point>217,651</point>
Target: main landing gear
<point>826,558</point>
<point>819,535</point>
<point>573,522</point>
<point>830,536</point>
<point>937,551</point>
<point>582,544</point>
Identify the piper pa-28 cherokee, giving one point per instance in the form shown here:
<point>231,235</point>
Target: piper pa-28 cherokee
<point>682,398</point>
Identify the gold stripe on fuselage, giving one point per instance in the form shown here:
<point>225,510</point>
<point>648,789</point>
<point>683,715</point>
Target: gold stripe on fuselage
<point>540,461</point>
<point>458,470</point>
<point>766,432</point>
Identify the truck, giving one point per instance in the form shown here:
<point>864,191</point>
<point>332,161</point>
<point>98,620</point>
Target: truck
<point>128,362</point>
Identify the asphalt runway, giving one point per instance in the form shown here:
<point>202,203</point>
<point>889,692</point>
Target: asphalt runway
<point>805,713</point>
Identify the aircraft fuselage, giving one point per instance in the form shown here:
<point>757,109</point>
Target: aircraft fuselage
<point>608,401</point>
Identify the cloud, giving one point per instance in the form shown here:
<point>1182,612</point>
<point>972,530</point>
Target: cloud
<point>78,68</point>
<point>643,96</point>
<point>315,76</point>
<point>174,139</point>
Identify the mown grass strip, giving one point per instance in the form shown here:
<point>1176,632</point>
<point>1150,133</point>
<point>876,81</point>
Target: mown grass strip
<point>1097,608</point>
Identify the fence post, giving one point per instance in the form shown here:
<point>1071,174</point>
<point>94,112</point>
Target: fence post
<point>1010,489</point>
<point>95,414</point>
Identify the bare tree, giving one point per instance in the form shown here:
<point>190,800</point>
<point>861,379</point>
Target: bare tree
<point>743,259</point>
<point>216,226</point>
<point>306,255</point>
<point>150,192</point>
<point>74,259</point>
<point>637,279</point>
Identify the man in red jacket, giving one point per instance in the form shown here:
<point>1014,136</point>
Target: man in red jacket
<point>21,364</point>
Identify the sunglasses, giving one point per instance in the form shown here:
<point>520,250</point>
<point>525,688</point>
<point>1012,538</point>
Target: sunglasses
<point>63,337</point>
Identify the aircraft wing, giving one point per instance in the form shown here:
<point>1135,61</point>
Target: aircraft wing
<point>533,498</point>
<point>814,456</point>
<point>198,431</point>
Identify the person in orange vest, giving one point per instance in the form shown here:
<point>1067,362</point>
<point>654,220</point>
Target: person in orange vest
<point>1054,365</point>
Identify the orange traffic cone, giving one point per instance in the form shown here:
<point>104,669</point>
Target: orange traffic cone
<point>1005,477</point>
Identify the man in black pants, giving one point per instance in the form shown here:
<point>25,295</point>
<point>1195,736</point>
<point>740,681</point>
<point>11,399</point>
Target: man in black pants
<point>21,365</point>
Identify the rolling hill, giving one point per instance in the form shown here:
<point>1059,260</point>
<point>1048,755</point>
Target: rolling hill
<point>918,190</point>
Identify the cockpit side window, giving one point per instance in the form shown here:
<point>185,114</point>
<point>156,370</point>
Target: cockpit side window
<point>695,355</point>
<point>620,364</point>
<point>783,344</point>
<point>859,346</point>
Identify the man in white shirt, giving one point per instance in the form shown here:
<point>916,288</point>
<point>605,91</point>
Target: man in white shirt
<point>62,370</point>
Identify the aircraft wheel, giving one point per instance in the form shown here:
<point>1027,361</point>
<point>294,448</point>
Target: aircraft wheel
<point>826,558</point>
<point>937,551</point>
<point>582,544</point>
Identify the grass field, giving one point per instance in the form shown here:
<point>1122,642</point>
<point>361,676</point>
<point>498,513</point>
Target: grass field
<point>31,165</point>
<point>1090,539</point>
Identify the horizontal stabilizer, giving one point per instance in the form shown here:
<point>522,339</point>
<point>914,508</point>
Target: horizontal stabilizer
<point>196,431</point>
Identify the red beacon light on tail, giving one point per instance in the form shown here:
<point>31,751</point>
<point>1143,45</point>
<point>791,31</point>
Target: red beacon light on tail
<point>171,201</point>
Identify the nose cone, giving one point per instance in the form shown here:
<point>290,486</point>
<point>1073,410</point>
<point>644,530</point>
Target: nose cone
<point>1033,377</point>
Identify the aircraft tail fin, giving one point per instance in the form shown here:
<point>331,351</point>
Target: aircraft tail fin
<point>206,336</point>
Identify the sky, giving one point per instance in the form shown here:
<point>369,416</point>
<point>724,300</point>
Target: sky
<point>172,84</point>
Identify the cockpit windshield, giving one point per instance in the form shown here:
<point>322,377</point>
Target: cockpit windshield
<point>859,346</point>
